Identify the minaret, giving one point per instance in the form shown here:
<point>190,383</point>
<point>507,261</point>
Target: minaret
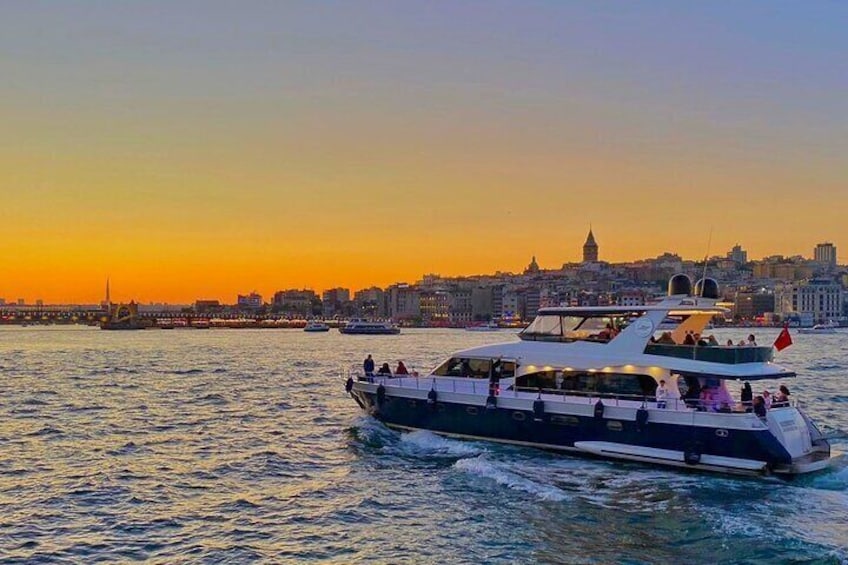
<point>108,302</point>
<point>590,248</point>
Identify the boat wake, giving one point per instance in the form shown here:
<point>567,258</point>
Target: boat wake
<point>481,466</point>
<point>428,443</point>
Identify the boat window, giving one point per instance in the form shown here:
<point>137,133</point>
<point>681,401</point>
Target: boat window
<point>586,382</point>
<point>542,379</point>
<point>594,327</point>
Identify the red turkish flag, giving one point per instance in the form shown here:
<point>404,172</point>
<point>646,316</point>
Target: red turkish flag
<point>784,340</point>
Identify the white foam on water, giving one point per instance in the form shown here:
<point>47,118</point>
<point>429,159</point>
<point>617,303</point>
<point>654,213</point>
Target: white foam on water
<point>431,443</point>
<point>499,473</point>
<point>836,479</point>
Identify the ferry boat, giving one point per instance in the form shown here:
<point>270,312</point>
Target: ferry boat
<point>585,381</point>
<point>826,328</point>
<point>364,327</point>
<point>316,326</point>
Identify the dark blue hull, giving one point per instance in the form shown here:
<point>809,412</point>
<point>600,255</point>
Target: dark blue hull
<point>559,431</point>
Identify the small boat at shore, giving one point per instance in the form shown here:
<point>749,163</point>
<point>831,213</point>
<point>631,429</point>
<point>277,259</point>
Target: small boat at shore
<point>595,381</point>
<point>358,326</point>
<point>826,328</point>
<point>316,326</point>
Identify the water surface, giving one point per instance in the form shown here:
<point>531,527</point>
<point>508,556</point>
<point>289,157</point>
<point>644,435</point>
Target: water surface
<point>234,446</point>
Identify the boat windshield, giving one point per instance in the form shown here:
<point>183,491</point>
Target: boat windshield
<point>476,368</point>
<point>562,327</point>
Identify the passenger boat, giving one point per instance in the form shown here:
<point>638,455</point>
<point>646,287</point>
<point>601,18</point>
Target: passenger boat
<point>585,381</point>
<point>364,327</point>
<point>316,326</point>
<point>489,327</point>
<point>827,328</point>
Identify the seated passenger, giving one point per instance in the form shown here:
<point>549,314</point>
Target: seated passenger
<point>707,400</point>
<point>665,338</point>
<point>711,340</point>
<point>781,398</point>
<point>401,369</point>
<point>767,399</point>
<point>722,398</point>
<point>729,343</point>
<point>385,370</point>
<point>752,342</point>
<point>693,393</point>
<point>759,406</point>
<point>747,396</point>
<point>689,339</point>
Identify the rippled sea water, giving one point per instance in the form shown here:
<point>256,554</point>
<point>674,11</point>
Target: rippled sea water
<point>240,446</point>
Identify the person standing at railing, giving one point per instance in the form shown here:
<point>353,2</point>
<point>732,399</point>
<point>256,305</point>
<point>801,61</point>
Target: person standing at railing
<point>368,366</point>
<point>662,395</point>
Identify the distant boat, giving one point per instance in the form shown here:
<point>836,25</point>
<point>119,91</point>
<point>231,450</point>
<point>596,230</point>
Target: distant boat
<point>364,327</point>
<point>316,326</point>
<point>489,327</point>
<point>827,328</point>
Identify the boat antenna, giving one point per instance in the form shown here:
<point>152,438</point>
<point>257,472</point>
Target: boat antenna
<point>706,256</point>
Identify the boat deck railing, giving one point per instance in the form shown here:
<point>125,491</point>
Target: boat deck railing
<point>727,354</point>
<point>482,387</point>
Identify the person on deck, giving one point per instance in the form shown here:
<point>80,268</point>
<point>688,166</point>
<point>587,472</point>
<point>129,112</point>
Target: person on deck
<point>782,397</point>
<point>661,394</point>
<point>385,370</point>
<point>368,366</point>
<point>747,396</point>
<point>401,369</point>
<point>760,406</point>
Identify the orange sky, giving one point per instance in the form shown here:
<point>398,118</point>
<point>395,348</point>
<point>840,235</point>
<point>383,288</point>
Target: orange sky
<point>201,156</point>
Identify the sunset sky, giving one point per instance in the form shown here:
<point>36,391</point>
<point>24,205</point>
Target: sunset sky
<point>203,149</point>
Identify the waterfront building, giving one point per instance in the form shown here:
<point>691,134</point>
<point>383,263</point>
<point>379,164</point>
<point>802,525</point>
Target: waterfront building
<point>336,302</point>
<point>819,299</point>
<point>293,302</point>
<point>252,301</point>
<point>825,255</point>
<point>590,248</point>
<point>482,303</point>
<point>207,306</point>
<point>370,303</point>
<point>738,255</point>
<point>404,302</point>
<point>631,298</point>
<point>752,304</point>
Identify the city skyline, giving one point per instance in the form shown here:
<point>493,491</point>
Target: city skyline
<point>732,253</point>
<point>203,150</point>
